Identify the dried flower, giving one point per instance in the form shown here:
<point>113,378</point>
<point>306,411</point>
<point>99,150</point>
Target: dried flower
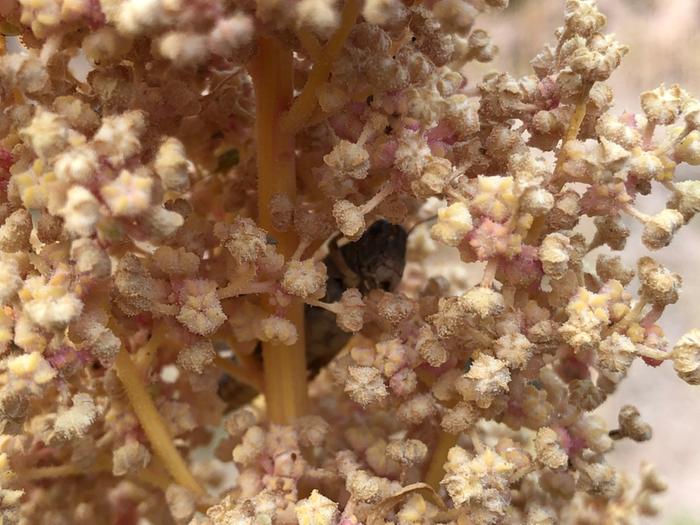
<point>128,195</point>
<point>201,310</point>
<point>549,450</point>
<point>118,138</point>
<point>130,457</point>
<point>365,385</point>
<point>454,223</point>
<point>278,330</point>
<point>482,479</point>
<point>316,510</point>
<point>686,357</point>
<point>631,425</point>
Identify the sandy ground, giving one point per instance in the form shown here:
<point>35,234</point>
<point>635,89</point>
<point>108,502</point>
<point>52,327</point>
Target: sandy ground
<point>663,40</point>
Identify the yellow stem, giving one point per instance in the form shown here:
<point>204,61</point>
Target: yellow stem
<point>535,231</point>
<point>63,471</point>
<point>235,289</point>
<point>633,316</point>
<point>305,103</point>
<point>152,423</point>
<point>152,477</point>
<point>284,366</point>
<point>148,476</point>
<point>310,44</point>
<point>243,375</point>
<point>155,476</point>
<point>576,120</point>
<point>244,353</point>
<point>103,464</point>
<point>489,273</point>
<point>436,469</point>
<point>286,394</point>
<point>634,212</point>
<point>572,130</point>
<point>147,353</point>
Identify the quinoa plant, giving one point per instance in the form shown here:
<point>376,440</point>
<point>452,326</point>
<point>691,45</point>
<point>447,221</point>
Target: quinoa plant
<point>176,229</point>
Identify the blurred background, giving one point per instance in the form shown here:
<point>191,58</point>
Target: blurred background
<point>664,46</point>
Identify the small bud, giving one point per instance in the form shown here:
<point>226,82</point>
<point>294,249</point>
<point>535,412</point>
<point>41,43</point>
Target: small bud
<point>536,201</point>
<point>611,231</point>
<point>434,178</point>
<point>454,223</point>
<point>660,228</point>
<point>631,425</point>
<point>130,458</point>
<point>688,149</point>
<point>172,166</point>
<point>129,194</point>
<point>181,502</point>
<point>119,137</point>
<point>348,160</point>
<point>659,285</point>
<point>250,447</point>
<point>487,378</point>
<point>78,164</point>
<point>459,418</point>
<point>183,48</point>
<point>408,452</point>
<point>230,36</point>
<point>554,253</point>
<point>316,510</point>
<point>243,239</point>
<point>305,279</point>
<point>75,421</point>
<point>47,133</point>
<point>417,409</point>
<point>349,218</point>
<point>430,347</point>
<point>483,302</point>
<point>549,449</point>
<point>686,198</point>
<point>195,356</point>
<point>15,232</point>
<point>80,212</point>
<point>277,330</point>
<point>365,385</point>
<point>515,349</point>
<point>662,105</point>
<point>686,357</point>
<point>350,318</point>
<point>312,430</point>
<point>201,311</point>
<point>610,267</point>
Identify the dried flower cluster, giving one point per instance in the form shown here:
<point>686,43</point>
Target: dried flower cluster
<point>173,211</point>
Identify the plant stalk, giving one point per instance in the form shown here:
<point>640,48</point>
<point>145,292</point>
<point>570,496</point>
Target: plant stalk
<point>436,468</point>
<point>304,105</point>
<point>284,366</point>
<point>152,423</point>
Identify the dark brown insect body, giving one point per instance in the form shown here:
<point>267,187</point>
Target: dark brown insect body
<point>374,261</point>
